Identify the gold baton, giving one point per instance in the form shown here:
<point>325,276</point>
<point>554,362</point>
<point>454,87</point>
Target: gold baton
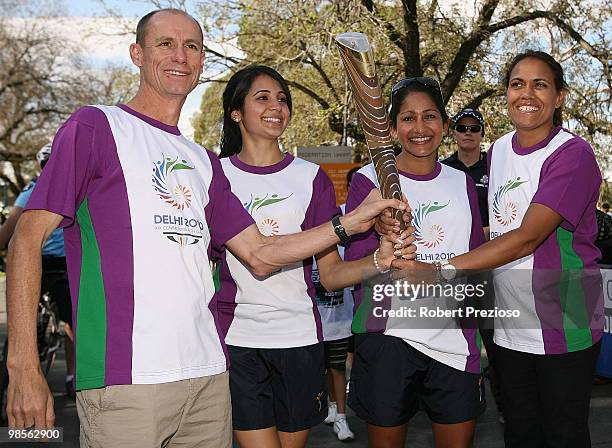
<point>356,54</point>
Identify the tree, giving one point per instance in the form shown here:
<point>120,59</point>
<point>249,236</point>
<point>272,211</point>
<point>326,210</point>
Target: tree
<point>41,84</point>
<point>465,50</point>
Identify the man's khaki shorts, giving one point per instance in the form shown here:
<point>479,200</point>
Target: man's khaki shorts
<point>189,413</point>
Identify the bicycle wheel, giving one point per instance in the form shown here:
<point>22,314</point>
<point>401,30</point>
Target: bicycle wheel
<point>51,338</point>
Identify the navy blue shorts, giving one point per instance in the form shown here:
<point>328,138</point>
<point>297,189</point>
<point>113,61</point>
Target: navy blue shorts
<point>391,381</point>
<point>282,387</point>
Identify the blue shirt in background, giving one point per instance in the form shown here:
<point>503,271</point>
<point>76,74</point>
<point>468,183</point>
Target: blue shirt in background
<point>54,247</point>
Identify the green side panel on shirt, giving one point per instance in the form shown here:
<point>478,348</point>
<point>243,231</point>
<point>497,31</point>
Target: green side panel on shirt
<point>216,279</point>
<point>479,345</point>
<point>573,301</point>
<point>91,312</point>
<point>363,311</point>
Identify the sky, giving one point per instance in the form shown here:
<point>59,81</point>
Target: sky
<point>94,34</point>
<point>82,8</point>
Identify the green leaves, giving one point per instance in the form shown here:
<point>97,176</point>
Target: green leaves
<point>466,46</point>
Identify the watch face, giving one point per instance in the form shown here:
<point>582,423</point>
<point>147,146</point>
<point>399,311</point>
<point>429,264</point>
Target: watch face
<point>448,271</point>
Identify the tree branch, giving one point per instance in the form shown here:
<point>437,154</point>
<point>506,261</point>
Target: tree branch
<point>601,55</point>
<point>311,93</point>
<point>512,21</point>
<point>467,48</point>
<point>477,101</point>
<point>207,49</point>
<point>411,48</point>
<point>311,61</point>
<point>391,32</point>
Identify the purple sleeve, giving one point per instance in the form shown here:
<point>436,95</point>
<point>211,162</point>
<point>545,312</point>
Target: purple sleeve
<point>365,243</point>
<point>225,215</point>
<point>62,186</point>
<point>476,234</point>
<point>568,180</point>
<point>322,206</point>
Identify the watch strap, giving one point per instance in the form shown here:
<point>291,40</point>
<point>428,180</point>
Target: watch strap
<point>339,230</point>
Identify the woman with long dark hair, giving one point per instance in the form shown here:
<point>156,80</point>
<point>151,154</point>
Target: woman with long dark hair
<point>272,325</point>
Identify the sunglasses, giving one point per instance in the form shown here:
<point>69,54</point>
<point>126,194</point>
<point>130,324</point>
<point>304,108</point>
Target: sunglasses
<point>462,128</point>
<point>422,80</point>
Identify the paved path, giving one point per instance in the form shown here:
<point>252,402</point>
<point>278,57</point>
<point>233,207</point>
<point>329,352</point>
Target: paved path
<point>488,432</point>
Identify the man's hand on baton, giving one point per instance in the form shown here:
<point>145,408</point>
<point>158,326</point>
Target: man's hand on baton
<point>363,217</point>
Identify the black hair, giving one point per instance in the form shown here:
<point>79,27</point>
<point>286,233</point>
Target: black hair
<point>233,99</point>
<point>141,27</point>
<point>349,175</point>
<point>397,99</point>
<point>554,66</point>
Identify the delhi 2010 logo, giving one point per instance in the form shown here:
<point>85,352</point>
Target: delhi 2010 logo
<point>505,211</point>
<point>180,229</point>
<point>177,195</point>
<point>428,234</point>
<point>268,226</point>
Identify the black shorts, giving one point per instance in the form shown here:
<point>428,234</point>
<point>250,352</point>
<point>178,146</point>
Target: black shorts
<point>282,387</point>
<point>335,353</point>
<point>391,381</point>
<point>55,282</point>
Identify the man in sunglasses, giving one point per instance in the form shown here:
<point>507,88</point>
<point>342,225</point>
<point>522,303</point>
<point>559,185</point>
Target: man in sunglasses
<point>468,129</point>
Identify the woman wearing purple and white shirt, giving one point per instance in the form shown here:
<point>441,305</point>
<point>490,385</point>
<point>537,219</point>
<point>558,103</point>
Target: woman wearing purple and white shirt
<point>405,362</point>
<point>272,326</point>
<point>543,187</point>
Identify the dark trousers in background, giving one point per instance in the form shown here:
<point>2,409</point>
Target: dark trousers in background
<point>487,339</point>
<point>546,397</point>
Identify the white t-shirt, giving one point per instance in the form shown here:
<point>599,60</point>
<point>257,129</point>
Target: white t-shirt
<point>143,209</point>
<point>278,311</point>
<point>447,221</point>
<point>557,288</point>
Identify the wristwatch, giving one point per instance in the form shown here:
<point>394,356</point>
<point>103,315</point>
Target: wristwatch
<point>339,229</point>
<point>447,270</point>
